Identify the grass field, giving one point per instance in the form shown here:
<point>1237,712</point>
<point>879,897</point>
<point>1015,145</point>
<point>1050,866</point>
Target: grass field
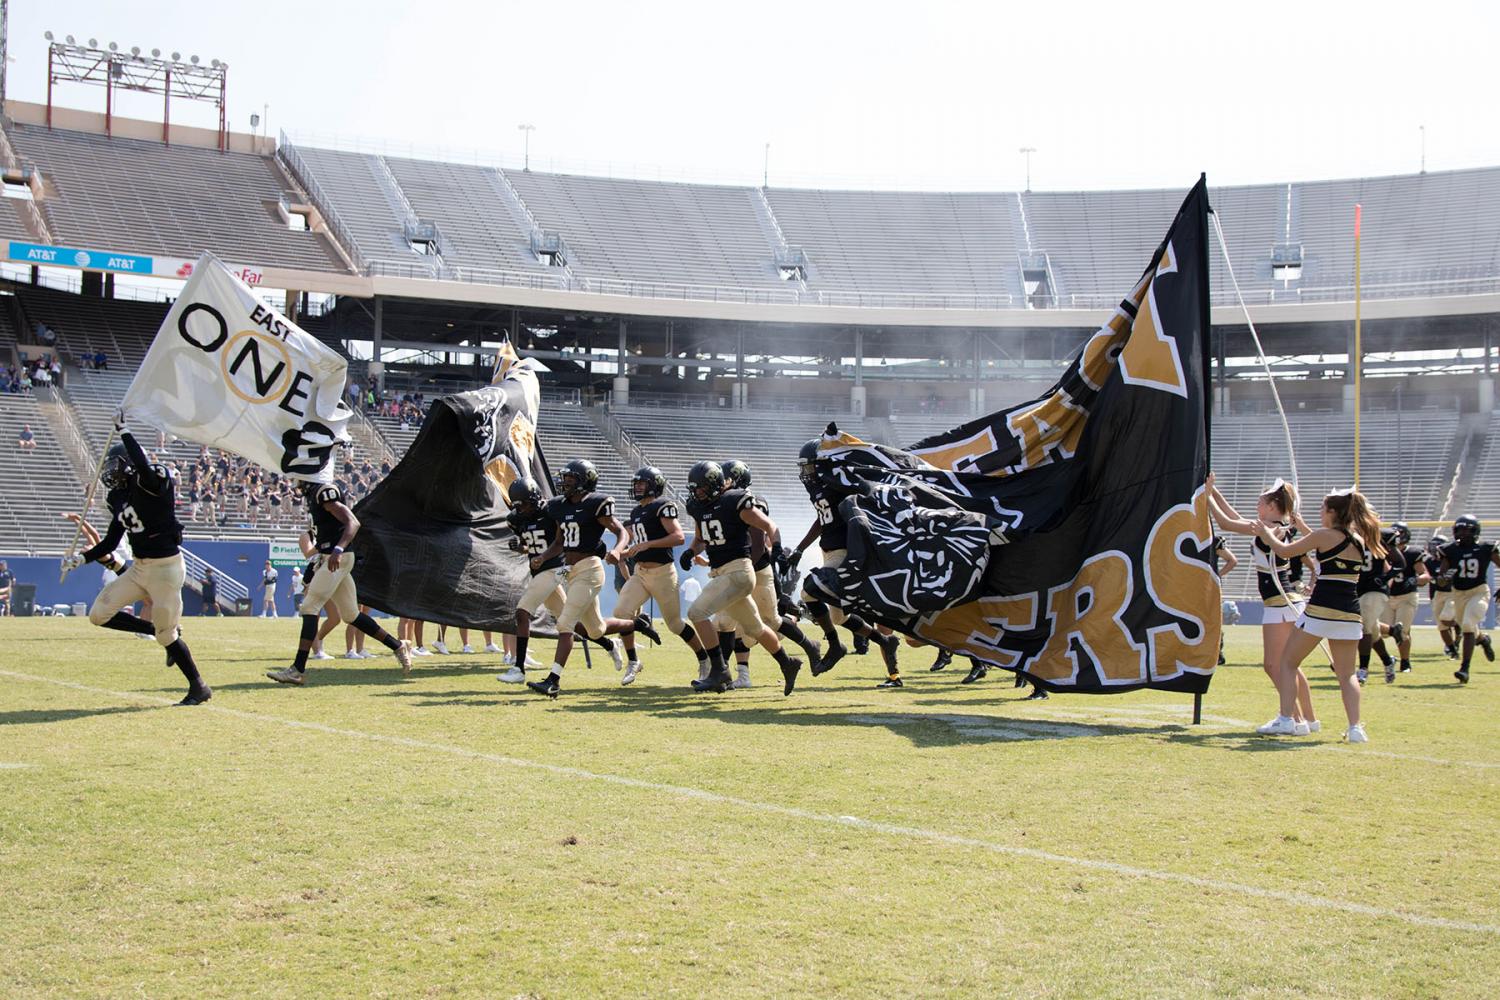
<point>450,835</point>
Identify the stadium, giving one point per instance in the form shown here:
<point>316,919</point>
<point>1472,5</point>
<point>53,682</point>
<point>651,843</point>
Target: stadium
<point>675,321</point>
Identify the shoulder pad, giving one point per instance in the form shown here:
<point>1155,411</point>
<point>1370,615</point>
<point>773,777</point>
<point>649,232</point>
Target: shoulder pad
<point>668,509</point>
<point>602,506</point>
<point>161,471</point>
<point>329,494</point>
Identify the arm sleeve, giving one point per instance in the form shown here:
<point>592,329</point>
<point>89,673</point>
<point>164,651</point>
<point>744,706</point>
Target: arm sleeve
<point>108,543</point>
<point>151,476</point>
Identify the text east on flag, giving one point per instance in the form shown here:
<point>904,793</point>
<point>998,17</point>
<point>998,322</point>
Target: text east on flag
<point>228,371</point>
<point>1067,537</point>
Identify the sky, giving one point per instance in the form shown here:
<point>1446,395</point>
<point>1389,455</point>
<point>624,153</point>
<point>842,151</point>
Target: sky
<point>932,96</point>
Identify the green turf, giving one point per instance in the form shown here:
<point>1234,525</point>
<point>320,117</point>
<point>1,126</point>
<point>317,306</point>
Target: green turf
<point>396,844</point>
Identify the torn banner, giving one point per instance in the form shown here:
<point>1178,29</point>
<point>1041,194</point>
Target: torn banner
<point>433,543</point>
<point>1067,537</point>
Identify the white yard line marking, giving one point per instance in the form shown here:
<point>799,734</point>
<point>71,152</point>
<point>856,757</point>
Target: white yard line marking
<point>811,816</point>
<point>14,767</point>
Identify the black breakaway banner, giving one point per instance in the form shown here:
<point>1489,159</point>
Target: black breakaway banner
<point>1067,537</point>
<point>433,543</point>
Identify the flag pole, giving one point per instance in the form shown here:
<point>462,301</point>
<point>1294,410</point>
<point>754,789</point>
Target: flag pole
<point>1359,357</point>
<point>88,504</point>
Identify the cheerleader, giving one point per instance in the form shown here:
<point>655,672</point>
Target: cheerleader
<point>1350,536</point>
<point>1281,604</point>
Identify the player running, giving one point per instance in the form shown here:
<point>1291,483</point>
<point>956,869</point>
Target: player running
<point>1466,563</point>
<point>1403,580</point>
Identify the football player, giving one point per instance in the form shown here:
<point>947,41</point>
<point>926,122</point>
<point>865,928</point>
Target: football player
<point>1440,595</point>
<point>724,519</point>
<point>333,528</point>
<point>533,532</point>
<point>1404,580</point>
<point>1373,590</point>
<point>141,500</point>
<point>1466,561</point>
<point>583,516</point>
<point>832,533</point>
<point>764,553</point>
<point>651,533</point>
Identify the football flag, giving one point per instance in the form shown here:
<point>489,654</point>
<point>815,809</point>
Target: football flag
<point>228,371</point>
<point>1066,537</point>
<point>433,542</point>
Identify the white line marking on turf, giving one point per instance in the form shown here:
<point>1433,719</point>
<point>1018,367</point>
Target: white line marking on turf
<point>14,767</point>
<point>793,812</point>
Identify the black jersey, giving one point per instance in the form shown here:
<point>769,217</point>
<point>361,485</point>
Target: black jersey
<point>1273,575</point>
<point>326,530</point>
<point>535,532</point>
<point>1470,563</point>
<point>763,560</point>
<point>833,529</point>
<point>722,529</point>
<point>1403,578</point>
<point>645,526</point>
<point>1372,576</point>
<point>579,522</point>
<point>144,510</point>
<point>1435,570</point>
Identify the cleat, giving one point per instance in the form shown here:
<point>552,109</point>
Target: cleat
<point>288,675</point>
<point>861,645</point>
<point>631,673</point>
<point>1390,674</point>
<point>742,676</point>
<point>836,652</point>
<point>515,675</point>
<point>1484,643</point>
<point>1356,734</point>
<point>548,687</point>
<point>1362,675</point>
<point>890,682</point>
<point>352,655</point>
<point>197,695</point>
<point>1281,726</point>
<point>1398,633</point>
<point>644,627</point>
<point>789,675</point>
<point>1462,675</point>
<point>403,656</point>
<point>1037,694</point>
<point>979,671</point>
<point>440,648</point>
<point>941,663</point>
<point>614,655</point>
<point>717,680</point>
<point>490,647</point>
<point>1450,651</point>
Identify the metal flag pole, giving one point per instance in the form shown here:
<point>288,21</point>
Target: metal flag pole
<point>1358,361</point>
<point>88,504</point>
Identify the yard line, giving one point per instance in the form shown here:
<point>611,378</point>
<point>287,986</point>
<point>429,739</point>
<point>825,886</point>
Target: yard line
<point>812,816</point>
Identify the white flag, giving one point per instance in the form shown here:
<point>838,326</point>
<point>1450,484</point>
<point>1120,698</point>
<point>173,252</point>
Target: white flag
<point>227,371</point>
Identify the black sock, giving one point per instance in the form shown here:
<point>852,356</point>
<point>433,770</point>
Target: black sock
<point>715,659</point>
<point>857,625</point>
<point>792,631</point>
<point>1364,659</point>
<point>688,635</point>
<point>630,655</point>
<point>781,658</point>
<point>367,625</point>
<point>309,633</point>
<point>122,622</point>
<point>726,645</point>
<point>183,657</point>
<point>521,643</point>
<point>604,642</point>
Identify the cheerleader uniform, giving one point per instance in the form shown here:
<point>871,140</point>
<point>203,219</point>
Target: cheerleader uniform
<point>1333,610</point>
<point>1273,575</point>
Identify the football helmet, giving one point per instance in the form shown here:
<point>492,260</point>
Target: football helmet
<point>524,491</point>
<point>736,474</point>
<point>115,472</point>
<point>648,481</point>
<point>1466,528</point>
<point>577,478</point>
<point>1402,533</point>
<point>705,480</point>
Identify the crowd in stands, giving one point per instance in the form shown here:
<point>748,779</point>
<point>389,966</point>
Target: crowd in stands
<point>38,373</point>
<point>220,489</point>
<point>408,407</point>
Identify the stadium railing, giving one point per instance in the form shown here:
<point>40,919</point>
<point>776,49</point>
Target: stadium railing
<point>297,167</point>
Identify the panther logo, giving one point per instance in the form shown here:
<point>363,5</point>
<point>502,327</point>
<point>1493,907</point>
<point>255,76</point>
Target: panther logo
<point>307,450</point>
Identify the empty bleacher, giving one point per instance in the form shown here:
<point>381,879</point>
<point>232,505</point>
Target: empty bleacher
<point>39,483</point>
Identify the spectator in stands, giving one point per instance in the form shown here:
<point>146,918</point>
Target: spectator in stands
<point>7,585</point>
<point>210,593</point>
<point>42,376</point>
<point>25,380</point>
<point>101,363</point>
<point>27,440</point>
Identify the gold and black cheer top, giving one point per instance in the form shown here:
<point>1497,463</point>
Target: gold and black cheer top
<point>1334,596</point>
<point>1271,569</point>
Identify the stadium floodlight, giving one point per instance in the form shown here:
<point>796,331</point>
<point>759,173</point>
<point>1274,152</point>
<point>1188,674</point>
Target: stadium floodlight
<point>156,53</point>
<point>93,43</point>
<point>112,46</point>
<point>215,64</point>
<point>70,40</point>
<point>526,130</point>
<point>47,35</point>
<point>194,60</point>
<point>177,57</point>
<point>135,50</point>
<point>1026,151</point>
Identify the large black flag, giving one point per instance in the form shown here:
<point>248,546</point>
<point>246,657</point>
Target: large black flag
<point>433,543</point>
<point>1067,537</point>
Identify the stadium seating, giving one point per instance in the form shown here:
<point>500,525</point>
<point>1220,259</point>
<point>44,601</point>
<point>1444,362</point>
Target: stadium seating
<point>119,328</point>
<point>146,197</point>
<point>38,484</point>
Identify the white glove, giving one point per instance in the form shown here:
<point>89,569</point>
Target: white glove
<point>70,563</point>
<point>119,420</point>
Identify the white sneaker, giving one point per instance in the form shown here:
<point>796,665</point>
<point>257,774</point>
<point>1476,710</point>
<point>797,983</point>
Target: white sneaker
<point>490,647</point>
<point>614,654</point>
<point>467,649</point>
<point>507,660</point>
<point>440,648</point>
<point>514,675</point>
<point>1315,726</point>
<point>742,676</point>
<point>1279,726</point>
<point>631,673</point>
<point>420,651</point>
<point>288,675</point>
<point>352,655</point>
<point>1356,734</point>
<point>403,656</point>
<point>321,655</point>
<point>1301,729</point>
<point>532,663</point>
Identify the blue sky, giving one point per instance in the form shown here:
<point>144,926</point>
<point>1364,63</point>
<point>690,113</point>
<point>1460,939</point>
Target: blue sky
<point>936,95</point>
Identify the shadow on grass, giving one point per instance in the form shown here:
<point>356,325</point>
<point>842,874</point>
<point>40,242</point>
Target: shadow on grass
<point>34,716</point>
<point>331,676</point>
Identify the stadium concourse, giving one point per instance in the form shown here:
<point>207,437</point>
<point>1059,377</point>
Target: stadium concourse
<point>682,320</point>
